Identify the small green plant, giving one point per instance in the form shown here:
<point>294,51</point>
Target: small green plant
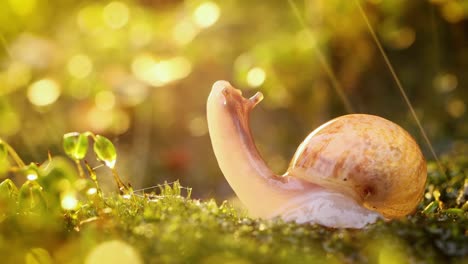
<point>54,186</point>
<point>76,147</point>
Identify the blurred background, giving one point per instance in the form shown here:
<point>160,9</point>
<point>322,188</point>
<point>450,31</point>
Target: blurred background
<point>139,72</point>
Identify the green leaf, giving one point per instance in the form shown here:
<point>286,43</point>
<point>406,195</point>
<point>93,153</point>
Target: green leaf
<point>457,211</point>
<point>105,151</point>
<point>8,195</point>
<point>75,145</point>
<point>430,208</point>
<point>8,188</point>
<point>31,198</point>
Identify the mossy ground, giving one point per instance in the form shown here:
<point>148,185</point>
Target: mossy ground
<point>167,226</point>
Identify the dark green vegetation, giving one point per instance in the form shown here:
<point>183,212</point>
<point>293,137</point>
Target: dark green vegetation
<point>58,216</point>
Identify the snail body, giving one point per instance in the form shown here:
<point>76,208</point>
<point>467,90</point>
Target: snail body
<point>346,173</point>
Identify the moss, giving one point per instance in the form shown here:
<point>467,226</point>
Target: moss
<point>167,226</point>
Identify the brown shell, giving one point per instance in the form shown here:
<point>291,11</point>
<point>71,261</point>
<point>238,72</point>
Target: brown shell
<point>368,157</point>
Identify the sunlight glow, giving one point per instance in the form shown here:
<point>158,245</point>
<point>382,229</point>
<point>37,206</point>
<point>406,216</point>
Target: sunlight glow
<point>184,32</point>
<point>114,120</point>
<point>256,77</point>
<point>122,122</point>
<point>159,73</point>
<point>31,176</point>
<point>132,92</point>
<point>198,126</point>
<point>105,100</point>
<point>453,11</point>
<point>43,92</point>
<point>89,19</point>
<point>402,38</point>
<point>91,191</point>
<point>69,202</point>
<point>456,108</point>
<point>116,15</point>
<point>206,14</point>
<point>18,74</point>
<point>113,251</point>
<point>140,34</point>
<point>80,66</point>
<point>98,119</point>
<point>445,82</point>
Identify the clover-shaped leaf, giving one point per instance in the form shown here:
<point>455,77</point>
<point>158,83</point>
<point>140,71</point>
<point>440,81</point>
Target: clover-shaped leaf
<point>75,145</point>
<point>105,151</point>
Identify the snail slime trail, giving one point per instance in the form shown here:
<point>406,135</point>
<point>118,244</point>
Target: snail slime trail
<point>346,174</point>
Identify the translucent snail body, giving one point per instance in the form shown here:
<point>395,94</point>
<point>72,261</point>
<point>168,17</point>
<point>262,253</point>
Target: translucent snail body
<point>347,173</point>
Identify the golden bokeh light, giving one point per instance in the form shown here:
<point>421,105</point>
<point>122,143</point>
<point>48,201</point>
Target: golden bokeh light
<point>198,126</point>
<point>206,14</point>
<point>18,74</point>
<point>456,108</point>
<point>402,38</point>
<point>132,92</point>
<point>141,63</point>
<point>69,201</point>
<point>89,19</point>
<point>184,32</point>
<point>98,119</point>
<point>445,82</point>
<point>105,100</point>
<point>172,69</point>
<point>113,120</point>
<point>79,66</point>
<point>122,122</point>
<point>43,92</point>
<point>114,251</point>
<point>453,11</point>
<point>159,73</point>
<point>116,15</point>
<point>32,176</point>
<point>91,191</point>
<point>142,68</point>
<point>256,77</point>
<point>141,34</point>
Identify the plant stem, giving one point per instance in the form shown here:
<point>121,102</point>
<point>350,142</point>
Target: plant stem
<point>122,187</point>
<point>80,169</point>
<point>90,134</point>
<point>93,177</point>
<point>13,154</point>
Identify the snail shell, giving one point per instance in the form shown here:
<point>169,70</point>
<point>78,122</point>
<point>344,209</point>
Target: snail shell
<point>346,173</point>
<point>373,160</point>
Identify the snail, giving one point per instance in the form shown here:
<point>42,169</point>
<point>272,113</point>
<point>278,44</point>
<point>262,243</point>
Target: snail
<point>347,173</point>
